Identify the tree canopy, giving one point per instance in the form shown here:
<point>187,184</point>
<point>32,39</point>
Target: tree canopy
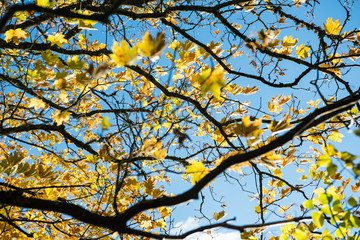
<point>117,116</point>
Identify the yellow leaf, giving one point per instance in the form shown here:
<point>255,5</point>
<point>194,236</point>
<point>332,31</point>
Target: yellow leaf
<point>74,63</point>
<point>331,68</point>
<point>123,55</point>
<point>49,57</point>
<point>246,121</point>
<point>105,124</point>
<point>283,125</point>
<point>283,50</point>
<point>160,154</point>
<point>61,117</point>
<point>161,224</point>
<point>165,211</point>
<point>151,47</point>
<point>175,45</point>
<point>276,103</point>
<point>43,3</point>
<point>86,23</point>
<point>57,39</point>
<point>218,215</point>
<point>289,41</point>
<point>197,170</point>
<point>332,27</point>
<point>250,5</point>
<point>277,172</point>
<point>299,234</point>
<point>258,210</point>
<point>51,193</point>
<point>82,78</point>
<point>337,58</point>
<point>151,146</point>
<point>302,51</point>
<point>269,159</point>
<point>330,150</point>
<point>37,103</point>
<point>15,36</point>
<point>212,80</point>
<point>335,136</point>
<point>354,54</point>
<point>149,186</point>
<point>248,129</point>
<point>60,83</point>
<point>314,104</point>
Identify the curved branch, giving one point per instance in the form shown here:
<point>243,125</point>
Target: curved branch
<point>45,46</point>
<point>15,198</point>
<point>62,12</point>
<point>46,127</point>
<point>318,116</point>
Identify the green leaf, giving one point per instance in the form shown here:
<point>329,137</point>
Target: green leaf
<point>74,63</point>
<point>212,80</point>
<point>355,221</point>
<point>326,209</point>
<point>357,132</point>
<point>330,150</point>
<point>345,156</point>
<point>354,111</point>
<point>326,235</point>
<point>14,158</point>
<point>325,198</point>
<point>340,232</point>
<point>352,202</point>
<point>323,160</point>
<point>105,124</point>
<point>331,168</point>
<point>49,58</point>
<point>337,206</point>
<point>318,218</point>
<point>299,234</point>
<point>308,204</point>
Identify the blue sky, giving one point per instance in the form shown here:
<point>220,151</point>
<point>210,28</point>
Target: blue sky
<point>238,203</point>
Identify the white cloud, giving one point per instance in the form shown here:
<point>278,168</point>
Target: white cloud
<point>214,234</point>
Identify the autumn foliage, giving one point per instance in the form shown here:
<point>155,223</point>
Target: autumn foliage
<point>120,117</point>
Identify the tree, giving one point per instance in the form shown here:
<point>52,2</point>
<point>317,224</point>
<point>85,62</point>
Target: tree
<point>115,112</point>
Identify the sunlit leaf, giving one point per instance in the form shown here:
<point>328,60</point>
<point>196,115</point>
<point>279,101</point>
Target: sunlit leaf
<point>152,47</point>
<point>332,27</point>
<point>15,35</point>
<point>308,204</point>
<point>57,39</point>
<point>289,41</point>
<point>299,234</point>
<point>123,55</point>
<point>105,124</point>
<point>352,202</point>
<point>325,198</point>
<point>218,215</point>
<point>37,103</point>
<point>196,170</point>
<point>302,51</point>
<point>318,218</point>
<point>61,117</point>
<point>44,3</point>
<point>212,80</point>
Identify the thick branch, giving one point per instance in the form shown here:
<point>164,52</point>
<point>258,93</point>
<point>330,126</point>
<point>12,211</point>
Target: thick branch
<point>46,127</point>
<point>318,116</point>
<point>15,198</point>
